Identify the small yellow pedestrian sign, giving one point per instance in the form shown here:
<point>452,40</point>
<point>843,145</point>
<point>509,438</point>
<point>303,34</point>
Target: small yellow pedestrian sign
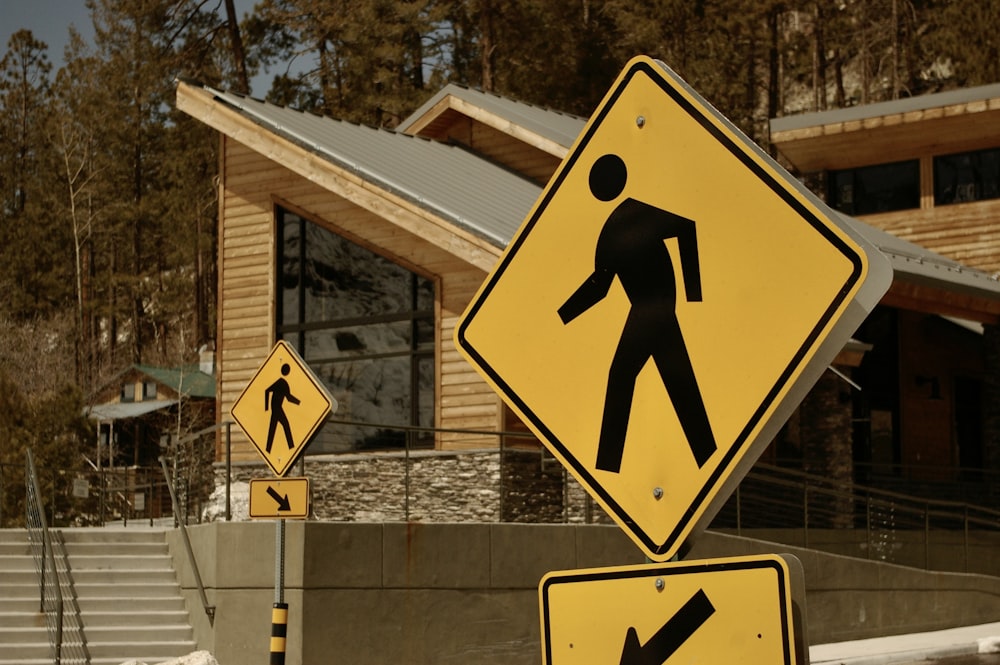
<point>737,610</point>
<point>282,407</point>
<point>664,307</point>
<point>279,498</point>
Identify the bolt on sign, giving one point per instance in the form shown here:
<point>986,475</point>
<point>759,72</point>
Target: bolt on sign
<point>667,303</point>
<point>282,407</point>
<point>735,610</point>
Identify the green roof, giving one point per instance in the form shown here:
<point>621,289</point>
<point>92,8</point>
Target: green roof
<point>188,381</point>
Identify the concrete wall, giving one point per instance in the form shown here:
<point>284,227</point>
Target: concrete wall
<point>458,593</point>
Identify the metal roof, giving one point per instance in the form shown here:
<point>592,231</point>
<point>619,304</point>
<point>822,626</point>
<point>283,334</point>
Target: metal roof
<point>123,410</point>
<point>879,109</point>
<point>563,128</point>
<point>491,201</point>
<point>444,179</point>
<point>188,381</point>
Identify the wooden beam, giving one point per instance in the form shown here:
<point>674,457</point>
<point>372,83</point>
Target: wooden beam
<point>932,300</point>
<point>507,127</point>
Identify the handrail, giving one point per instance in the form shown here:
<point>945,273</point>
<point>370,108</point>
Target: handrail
<point>796,502</point>
<point>34,508</point>
<point>209,609</point>
<point>823,484</point>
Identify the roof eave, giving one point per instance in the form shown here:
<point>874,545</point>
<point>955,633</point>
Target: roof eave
<point>202,104</point>
<point>450,98</point>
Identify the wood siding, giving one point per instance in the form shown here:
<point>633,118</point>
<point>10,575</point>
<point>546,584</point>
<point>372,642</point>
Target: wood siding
<point>251,187</point>
<point>966,232</point>
<point>889,138</point>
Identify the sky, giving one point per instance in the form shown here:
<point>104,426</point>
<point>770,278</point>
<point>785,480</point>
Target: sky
<point>50,20</point>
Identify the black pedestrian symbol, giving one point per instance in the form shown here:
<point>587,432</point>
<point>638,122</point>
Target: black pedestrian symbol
<point>631,247</point>
<point>274,399</point>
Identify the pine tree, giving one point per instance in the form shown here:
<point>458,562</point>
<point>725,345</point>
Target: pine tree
<point>34,278</point>
<point>366,57</point>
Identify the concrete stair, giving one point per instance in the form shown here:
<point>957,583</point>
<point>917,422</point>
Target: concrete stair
<point>129,600</point>
<point>23,637</point>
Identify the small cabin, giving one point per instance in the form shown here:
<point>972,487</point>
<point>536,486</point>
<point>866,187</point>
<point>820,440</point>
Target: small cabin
<point>138,411</point>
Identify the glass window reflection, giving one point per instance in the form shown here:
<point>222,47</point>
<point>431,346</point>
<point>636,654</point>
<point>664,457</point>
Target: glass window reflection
<point>366,327</point>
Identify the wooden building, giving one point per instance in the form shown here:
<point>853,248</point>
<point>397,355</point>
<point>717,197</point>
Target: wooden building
<point>927,170</point>
<point>139,408</point>
<point>363,246</point>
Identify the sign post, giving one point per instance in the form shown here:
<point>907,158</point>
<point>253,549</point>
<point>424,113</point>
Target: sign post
<point>667,303</point>
<point>280,410</point>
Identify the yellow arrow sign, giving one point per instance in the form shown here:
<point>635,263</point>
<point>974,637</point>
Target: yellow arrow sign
<point>667,303</point>
<point>281,498</point>
<point>282,407</point>
<point>737,610</point>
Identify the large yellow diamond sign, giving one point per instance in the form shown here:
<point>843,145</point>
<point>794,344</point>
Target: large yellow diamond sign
<point>282,407</point>
<point>664,307</point>
<point>738,610</point>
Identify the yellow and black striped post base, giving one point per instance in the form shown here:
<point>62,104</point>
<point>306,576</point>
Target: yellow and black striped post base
<point>279,629</point>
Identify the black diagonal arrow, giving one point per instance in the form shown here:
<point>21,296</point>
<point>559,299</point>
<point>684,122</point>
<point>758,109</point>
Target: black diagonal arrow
<point>671,636</point>
<point>283,505</point>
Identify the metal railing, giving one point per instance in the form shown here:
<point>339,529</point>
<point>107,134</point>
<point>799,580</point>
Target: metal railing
<point>814,511</point>
<point>209,609</point>
<point>524,484</point>
<point>51,601</point>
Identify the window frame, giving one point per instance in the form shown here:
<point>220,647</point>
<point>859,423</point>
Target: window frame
<point>422,348</point>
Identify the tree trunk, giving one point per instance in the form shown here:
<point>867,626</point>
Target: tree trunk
<point>239,55</point>
<point>487,44</point>
<point>819,60</point>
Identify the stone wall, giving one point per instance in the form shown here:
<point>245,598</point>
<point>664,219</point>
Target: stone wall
<point>825,416</point>
<point>512,485</point>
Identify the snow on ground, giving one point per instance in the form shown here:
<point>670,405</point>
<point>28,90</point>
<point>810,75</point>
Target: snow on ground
<point>196,658</point>
<point>989,645</point>
<point>239,502</point>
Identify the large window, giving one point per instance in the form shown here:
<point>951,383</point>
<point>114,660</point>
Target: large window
<point>967,176</point>
<point>365,325</point>
<point>872,189</point>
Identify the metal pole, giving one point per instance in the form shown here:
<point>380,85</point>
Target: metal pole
<point>104,491</point>
<point>149,495</point>
<point>279,633</point>
<point>927,536</point>
<point>868,522</point>
<point>503,485</point>
<point>805,514</point>
<point>209,609</point>
<point>128,500</point>
<point>406,480</point>
<point>965,535</point>
<point>279,562</point>
<point>229,471</point>
<point>279,611</point>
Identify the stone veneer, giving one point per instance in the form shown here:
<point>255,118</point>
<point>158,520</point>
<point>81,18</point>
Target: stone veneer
<point>438,486</point>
